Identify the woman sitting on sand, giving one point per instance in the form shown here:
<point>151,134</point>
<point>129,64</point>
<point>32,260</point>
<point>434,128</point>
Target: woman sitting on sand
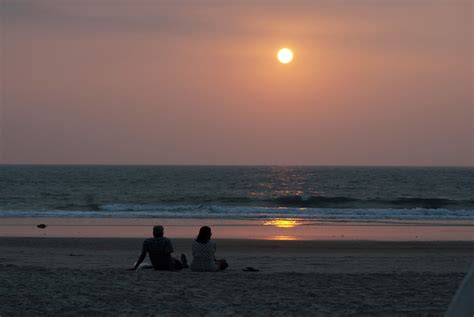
<point>204,253</point>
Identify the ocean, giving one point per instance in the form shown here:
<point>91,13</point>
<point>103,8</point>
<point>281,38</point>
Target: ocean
<point>233,192</point>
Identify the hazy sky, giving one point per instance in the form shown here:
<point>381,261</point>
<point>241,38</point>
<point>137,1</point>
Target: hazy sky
<point>197,82</point>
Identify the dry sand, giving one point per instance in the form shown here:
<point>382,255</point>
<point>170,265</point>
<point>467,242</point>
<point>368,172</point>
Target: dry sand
<point>88,277</point>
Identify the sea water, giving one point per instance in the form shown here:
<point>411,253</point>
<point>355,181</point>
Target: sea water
<point>233,192</point>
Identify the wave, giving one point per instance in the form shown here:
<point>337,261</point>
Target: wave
<point>301,201</point>
<point>349,202</point>
<point>245,212</point>
<point>200,204</point>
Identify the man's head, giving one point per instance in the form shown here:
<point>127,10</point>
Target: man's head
<point>158,231</point>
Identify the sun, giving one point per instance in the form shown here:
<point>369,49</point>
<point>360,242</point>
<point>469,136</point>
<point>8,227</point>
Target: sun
<point>285,55</point>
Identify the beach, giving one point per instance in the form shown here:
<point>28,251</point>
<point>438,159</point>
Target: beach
<point>89,276</point>
<point>327,241</point>
<point>326,147</point>
<point>254,229</point>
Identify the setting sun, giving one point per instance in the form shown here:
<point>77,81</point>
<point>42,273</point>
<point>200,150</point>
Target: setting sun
<point>285,55</point>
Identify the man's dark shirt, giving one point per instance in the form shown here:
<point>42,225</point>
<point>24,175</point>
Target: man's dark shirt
<point>160,250</point>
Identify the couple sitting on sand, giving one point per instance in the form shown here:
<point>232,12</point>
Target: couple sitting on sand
<point>159,248</point>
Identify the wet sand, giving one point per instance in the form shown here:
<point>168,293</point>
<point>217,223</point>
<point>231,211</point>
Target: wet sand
<point>82,276</point>
<point>263,229</point>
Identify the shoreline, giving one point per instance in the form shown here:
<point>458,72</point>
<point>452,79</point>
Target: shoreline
<point>261,229</point>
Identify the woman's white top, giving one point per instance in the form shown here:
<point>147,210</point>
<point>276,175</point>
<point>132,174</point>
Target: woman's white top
<point>204,257</point>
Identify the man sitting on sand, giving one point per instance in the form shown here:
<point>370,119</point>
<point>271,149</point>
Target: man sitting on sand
<point>159,248</point>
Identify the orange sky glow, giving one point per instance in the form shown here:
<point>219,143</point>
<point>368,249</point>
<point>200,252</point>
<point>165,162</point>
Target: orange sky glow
<point>140,82</point>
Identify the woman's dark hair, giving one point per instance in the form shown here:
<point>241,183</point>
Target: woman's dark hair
<point>204,235</point>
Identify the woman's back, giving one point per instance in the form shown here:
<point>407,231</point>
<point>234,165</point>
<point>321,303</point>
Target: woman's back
<point>204,256</point>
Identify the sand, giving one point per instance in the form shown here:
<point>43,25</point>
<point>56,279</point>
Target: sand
<point>256,229</point>
<point>88,277</point>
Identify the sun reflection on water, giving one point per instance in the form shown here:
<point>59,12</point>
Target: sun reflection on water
<point>283,223</point>
<point>283,238</point>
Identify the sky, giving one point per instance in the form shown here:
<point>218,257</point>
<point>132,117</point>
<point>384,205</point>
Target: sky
<point>197,82</point>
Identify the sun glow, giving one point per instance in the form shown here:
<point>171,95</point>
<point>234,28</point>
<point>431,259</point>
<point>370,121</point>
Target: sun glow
<point>285,55</point>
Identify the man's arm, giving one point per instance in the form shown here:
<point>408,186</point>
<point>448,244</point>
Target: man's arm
<point>167,247</point>
<point>141,257</point>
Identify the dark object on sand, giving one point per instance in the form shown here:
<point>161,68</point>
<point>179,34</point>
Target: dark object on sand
<point>41,226</point>
<point>184,261</point>
<point>222,264</point>
<point>462,304</point>
<point>250,269</point>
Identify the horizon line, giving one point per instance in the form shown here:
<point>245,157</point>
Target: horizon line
<point>235,165</point>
